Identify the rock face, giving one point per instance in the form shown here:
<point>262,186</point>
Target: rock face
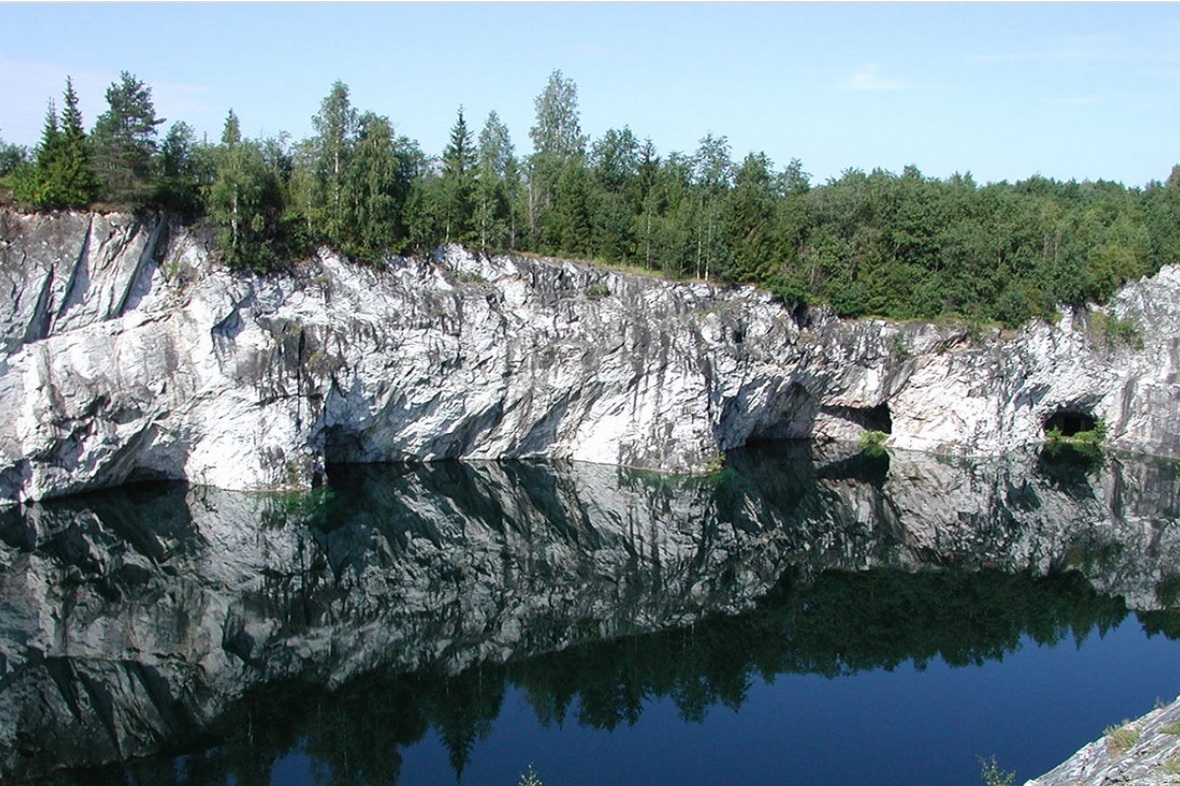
<point>132,620</point>
<point>125,353</point>
<point>1145,752</point>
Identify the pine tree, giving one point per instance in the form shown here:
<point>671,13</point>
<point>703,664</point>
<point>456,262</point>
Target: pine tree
<point>124,142</point>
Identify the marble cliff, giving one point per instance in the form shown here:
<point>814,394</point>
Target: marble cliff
<point>126,352</point>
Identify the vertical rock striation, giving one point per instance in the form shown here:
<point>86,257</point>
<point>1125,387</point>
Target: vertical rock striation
<point>125,353</point>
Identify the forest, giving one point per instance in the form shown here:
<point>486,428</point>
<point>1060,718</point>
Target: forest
<point>897,245</point>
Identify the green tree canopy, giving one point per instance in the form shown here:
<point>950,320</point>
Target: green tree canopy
<point>458,183</point>
<point>124,142</point>
<point>62,176</point>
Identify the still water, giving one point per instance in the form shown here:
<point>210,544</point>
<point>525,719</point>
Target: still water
<point>800,618</point>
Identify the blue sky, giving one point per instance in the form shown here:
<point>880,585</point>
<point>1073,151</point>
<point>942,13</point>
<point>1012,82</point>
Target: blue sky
<point>1004,90</point>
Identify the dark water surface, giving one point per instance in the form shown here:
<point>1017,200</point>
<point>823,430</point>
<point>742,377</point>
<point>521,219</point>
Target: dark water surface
<point>810,619</point>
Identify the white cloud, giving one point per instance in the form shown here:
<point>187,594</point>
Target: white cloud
<point>868,78</point>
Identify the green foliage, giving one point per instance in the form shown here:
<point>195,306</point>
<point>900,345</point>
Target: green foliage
<point>1087,442</point>
<point>331,152</point>
<point>597,291</point>
<point>557,131</point>
<point>185,168</point>
<point>872,442</point>
<point>11,157</point>
<point>557,211</point>
<point>789,292</point>
<point>899,348</point>
<point>458,184</point>
<point>377,182</point>
<point>1113,331</point>
<point>61,175</point>
<point>124,143</point>
<point>245,203</point>
<point>1094,436</point>
<point>1121,738</point>
<point>497,188</point>
<point>992,775</point>
<point>1170,728</point>
<point>904,246</point>
<point>715,463</point>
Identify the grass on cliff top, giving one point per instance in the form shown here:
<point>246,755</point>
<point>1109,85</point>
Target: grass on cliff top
<point>1120,738</point>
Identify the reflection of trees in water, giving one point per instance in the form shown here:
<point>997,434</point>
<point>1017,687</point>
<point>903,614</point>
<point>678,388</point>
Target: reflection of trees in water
<point>839,624</point>
<point>642,547</point>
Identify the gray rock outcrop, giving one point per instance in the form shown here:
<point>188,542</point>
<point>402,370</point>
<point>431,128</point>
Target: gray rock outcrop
<point>1143,752</point>
<point>126,352</point>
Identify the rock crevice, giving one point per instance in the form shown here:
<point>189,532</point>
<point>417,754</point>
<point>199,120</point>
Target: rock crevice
<point>129,352</point>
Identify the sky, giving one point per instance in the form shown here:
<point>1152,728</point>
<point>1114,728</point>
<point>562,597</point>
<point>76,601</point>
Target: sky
<point>1004,91</point>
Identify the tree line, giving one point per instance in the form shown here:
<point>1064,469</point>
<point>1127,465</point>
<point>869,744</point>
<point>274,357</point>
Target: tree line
<point>896,245</point>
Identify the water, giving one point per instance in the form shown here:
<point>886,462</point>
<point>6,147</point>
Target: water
<point>799,619</point>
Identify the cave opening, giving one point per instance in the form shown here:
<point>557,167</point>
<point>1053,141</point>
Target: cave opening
<point>877,418</point>
<point>1069,422</point>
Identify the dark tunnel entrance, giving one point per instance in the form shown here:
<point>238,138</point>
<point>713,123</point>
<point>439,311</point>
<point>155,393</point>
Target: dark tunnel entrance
<point>1069,422</point>
<point>877,418</point>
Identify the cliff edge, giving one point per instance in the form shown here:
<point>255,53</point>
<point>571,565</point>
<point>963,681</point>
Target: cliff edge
<point>127,353</point>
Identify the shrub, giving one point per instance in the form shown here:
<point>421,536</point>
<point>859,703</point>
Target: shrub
<point>900,349</point>
<point>1112,330</point>
<point>1120,739</point>
<point>992,774</point>
<point>872,442</point>
<point>715,463</point>
<point>1094,436</point>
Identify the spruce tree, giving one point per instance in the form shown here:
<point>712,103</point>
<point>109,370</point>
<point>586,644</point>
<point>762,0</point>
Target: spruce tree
<point>61,176</point>
<point>458,182</point>
<point>30,184</point>
<point>74,179</point>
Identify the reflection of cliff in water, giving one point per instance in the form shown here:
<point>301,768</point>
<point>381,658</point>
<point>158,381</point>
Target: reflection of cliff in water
<point>165,619</point>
